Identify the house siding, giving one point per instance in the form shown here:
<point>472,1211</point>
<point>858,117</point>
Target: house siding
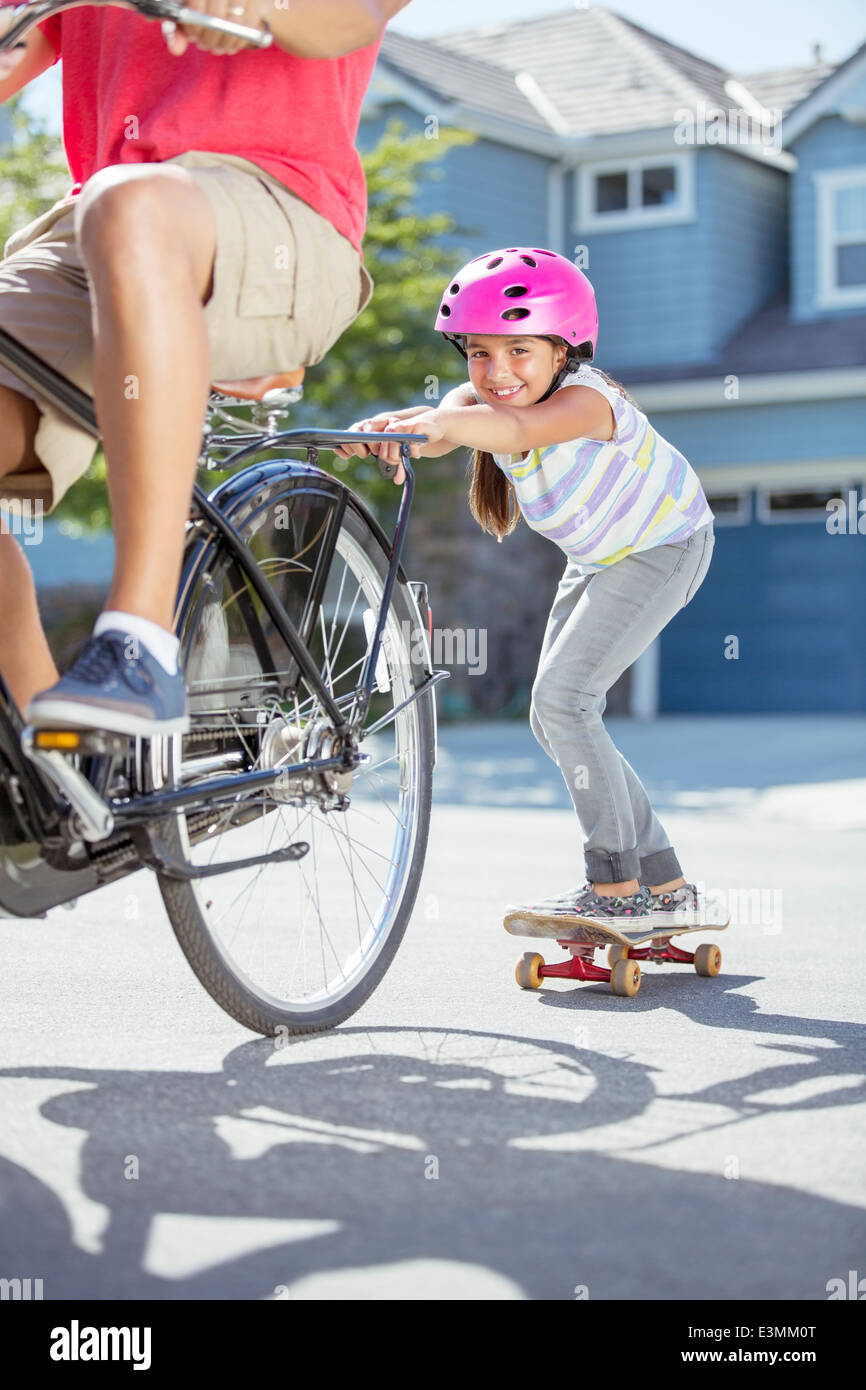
<point>498,195</point>
<point>716,270</point>
<point>739,433</point>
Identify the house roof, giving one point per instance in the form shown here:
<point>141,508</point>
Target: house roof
<point>827,95</point>
<point>458,77</point>
<point>770,341</point>
<point>599,73</point>
<point>784,88</point>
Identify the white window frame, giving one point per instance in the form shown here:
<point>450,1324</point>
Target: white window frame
<point>768,518</point>
<point>829,294</point>
<point>742,516</point>
<point>635,215</point>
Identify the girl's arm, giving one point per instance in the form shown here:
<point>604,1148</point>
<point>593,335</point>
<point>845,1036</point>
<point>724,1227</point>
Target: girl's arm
<point>460,396</point>
<point>574,412</point>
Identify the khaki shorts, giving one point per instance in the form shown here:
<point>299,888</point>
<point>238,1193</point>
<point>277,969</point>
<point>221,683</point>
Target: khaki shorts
<point>286,284</point>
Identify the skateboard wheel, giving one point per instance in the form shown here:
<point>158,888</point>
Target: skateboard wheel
<point>625,977</point>
<point>615,953</point>
<point>527,971</point>
<point>708,959</point>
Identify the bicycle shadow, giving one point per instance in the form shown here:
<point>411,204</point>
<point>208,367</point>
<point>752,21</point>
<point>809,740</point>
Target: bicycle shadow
<point>451,1161</point>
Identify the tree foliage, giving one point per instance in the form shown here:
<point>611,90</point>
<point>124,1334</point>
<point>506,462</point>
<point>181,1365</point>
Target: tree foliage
<point>33,170</point>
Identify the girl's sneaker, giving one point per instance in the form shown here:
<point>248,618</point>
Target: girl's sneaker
<point>687,907</point>
<point>595,907</point>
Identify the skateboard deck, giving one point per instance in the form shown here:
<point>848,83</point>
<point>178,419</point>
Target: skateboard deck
<point>581,937</point>
<point>593,933</point>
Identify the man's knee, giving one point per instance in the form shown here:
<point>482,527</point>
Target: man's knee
<point>129,215</point>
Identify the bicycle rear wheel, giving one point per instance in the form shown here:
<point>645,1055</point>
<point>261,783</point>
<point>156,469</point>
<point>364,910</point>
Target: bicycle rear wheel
<point>299,946</point>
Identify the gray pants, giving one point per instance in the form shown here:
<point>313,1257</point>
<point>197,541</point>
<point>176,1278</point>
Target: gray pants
<point>598,625</point>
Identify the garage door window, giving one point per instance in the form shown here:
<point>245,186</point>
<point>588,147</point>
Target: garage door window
<point>801,504</point>
<point>732,508</point>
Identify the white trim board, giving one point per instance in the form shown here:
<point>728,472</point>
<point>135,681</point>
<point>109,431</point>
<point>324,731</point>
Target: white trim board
<point>784,474</point>
<point>708,393</point>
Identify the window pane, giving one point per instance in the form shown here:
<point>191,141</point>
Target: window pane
<point>724,503</point>
<point>611,192</point>
<point>851,210</point>
<point>802,501</point>
<point>659,186</point>
<point>851,264</point>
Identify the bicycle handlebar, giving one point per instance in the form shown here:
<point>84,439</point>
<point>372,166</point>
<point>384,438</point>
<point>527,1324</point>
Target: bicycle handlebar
<point>166,10</point>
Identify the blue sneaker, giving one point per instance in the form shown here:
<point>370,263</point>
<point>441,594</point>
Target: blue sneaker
<point>117,685</point>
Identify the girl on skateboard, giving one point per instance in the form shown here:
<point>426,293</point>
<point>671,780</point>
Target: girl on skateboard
<point>557,441</point>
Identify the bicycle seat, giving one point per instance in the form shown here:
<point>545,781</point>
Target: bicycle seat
<point>254,388</point>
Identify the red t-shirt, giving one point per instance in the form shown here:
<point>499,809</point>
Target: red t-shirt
<point>297,118</point>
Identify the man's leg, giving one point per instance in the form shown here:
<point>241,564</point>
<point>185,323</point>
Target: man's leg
<point>25,659</point>
<point>148,239</point>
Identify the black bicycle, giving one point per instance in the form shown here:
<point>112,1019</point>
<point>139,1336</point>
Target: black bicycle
<point>288,827</point>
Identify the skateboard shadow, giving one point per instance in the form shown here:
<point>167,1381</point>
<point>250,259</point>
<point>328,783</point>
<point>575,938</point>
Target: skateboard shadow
<point>718,1004</point>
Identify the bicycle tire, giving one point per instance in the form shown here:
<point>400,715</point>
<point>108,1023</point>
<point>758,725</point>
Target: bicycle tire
<point>229,986</point>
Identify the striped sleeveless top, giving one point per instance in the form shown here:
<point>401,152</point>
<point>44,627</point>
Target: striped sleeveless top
<point>599,501</point>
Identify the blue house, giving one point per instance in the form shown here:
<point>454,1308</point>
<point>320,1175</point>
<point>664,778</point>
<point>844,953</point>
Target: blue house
<point>722,220</point>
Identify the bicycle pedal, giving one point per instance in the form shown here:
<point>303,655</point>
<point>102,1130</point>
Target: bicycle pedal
<point>92,819</point>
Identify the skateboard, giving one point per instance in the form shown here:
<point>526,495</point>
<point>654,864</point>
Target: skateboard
<point>581,937</point>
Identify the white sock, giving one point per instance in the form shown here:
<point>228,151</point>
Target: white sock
<point>161,644</point>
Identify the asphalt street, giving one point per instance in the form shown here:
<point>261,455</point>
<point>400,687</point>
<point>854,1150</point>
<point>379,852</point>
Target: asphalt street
<point>459,1137</point>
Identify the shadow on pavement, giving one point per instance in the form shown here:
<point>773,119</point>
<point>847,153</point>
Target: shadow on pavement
<point>460,1149</point>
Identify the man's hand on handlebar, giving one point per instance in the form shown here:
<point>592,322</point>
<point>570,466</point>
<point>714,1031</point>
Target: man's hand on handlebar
<point>249,12</point>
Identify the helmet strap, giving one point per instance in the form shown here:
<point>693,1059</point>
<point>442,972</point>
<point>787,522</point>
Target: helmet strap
<point>571,363</point>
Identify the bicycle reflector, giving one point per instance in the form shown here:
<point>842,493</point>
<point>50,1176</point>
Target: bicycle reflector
<point>62,739</point>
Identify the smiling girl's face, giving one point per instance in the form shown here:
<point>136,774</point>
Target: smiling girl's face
<point>512,369</point>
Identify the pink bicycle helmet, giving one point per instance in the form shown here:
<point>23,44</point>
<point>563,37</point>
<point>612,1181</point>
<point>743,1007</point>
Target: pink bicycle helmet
<point>542,291</point>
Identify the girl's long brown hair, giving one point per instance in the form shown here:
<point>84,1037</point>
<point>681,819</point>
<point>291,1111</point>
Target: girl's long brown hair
<point>492,499</point>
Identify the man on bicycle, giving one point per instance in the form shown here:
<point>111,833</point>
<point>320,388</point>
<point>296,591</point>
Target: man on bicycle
<point>213,232</point>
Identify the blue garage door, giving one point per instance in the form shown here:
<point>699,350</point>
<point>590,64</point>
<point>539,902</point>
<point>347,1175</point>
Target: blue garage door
<point>779,623</point>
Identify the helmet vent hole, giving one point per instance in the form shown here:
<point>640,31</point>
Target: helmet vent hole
<point>527,260</point>
<point>515,314</point>
<point>497,260</point>
<point>516,291</point>
<point>445,311</point>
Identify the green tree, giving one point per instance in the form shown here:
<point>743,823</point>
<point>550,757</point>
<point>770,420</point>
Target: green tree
<point>33,170</point>
<point>391,356</point>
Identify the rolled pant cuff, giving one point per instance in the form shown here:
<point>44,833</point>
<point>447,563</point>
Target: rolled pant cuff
<point>660,867</point>
<point>602,867</point>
